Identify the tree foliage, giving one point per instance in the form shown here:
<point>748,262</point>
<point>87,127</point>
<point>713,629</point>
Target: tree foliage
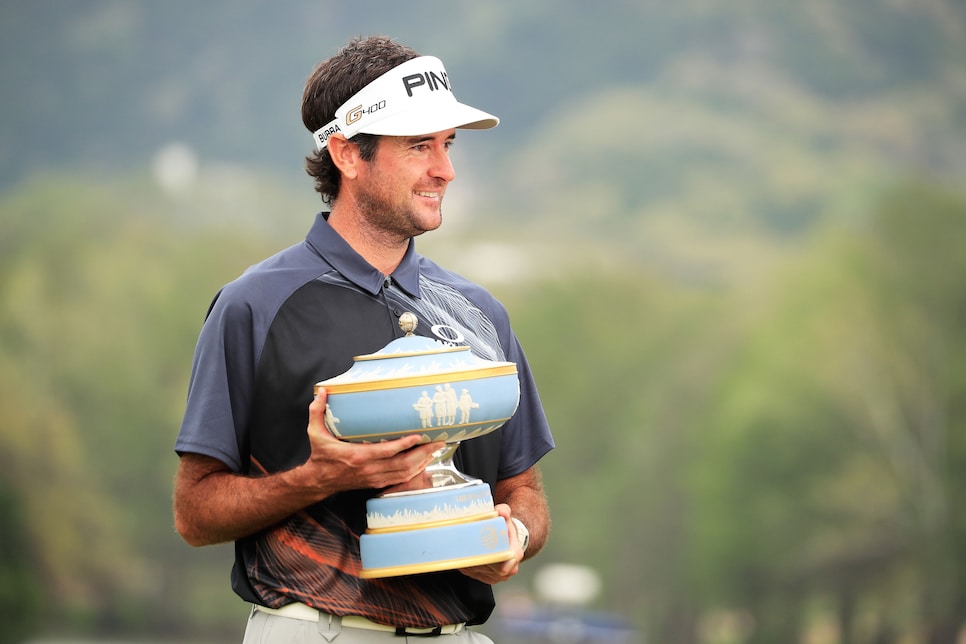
<point>790,455</point>
<point>99,309</point>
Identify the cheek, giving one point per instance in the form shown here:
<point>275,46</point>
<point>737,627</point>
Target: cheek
<point>389,182</point>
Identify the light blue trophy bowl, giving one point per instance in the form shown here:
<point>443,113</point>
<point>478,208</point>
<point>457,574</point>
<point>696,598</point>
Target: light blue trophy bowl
<point>416,385</point>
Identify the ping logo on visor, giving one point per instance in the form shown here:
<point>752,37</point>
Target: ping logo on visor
<point>426,78</point>
<point>411,99</point>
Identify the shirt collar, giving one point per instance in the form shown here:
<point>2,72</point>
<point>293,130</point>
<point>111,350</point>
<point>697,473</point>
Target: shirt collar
<point>327,243</point>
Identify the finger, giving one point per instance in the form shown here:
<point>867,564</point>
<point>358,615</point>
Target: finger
<point>317,415</point>
<point>490,574</point>
<point>417,452</point>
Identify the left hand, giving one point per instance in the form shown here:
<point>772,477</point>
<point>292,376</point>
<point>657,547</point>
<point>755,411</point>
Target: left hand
<point>502,570</point>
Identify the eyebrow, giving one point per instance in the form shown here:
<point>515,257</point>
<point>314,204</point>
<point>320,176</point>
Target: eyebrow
<point>412,140</point>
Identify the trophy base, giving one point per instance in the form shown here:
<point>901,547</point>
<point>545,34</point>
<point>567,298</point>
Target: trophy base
<point>435,548</point>
<point>432,530</point>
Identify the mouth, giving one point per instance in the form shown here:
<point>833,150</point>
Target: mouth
<point>436,196</point>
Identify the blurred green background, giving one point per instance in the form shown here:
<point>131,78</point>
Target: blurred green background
<point>731,235</point>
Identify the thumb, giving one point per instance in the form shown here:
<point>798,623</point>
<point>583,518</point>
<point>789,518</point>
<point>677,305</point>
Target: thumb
<point>317,413</point>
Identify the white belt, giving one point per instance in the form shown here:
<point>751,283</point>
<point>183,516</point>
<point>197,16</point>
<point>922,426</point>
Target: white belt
<point>309,614</point>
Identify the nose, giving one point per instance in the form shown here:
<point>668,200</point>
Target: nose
<point>442,166</point>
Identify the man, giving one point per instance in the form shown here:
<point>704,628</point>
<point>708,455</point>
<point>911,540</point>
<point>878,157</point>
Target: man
<point>257,465</point>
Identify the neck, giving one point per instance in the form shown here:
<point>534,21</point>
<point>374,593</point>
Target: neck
<point>382,250</point>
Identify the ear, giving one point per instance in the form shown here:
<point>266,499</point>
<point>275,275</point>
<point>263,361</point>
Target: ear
<point>345,155</point>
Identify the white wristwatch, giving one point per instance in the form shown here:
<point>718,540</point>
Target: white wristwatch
<point>523,535</point>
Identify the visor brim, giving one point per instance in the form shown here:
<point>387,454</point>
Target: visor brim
<point>435,119</point>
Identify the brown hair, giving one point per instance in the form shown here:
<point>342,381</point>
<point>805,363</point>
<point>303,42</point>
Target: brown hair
<point>332,83</point>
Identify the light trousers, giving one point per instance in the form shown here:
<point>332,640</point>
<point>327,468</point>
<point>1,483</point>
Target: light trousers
<point>264,628</point>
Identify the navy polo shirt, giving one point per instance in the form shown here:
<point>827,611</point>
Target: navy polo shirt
<point>300,317</point>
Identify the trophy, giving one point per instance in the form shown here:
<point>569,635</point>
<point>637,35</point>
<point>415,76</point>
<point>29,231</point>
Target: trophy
<point>416,385</point>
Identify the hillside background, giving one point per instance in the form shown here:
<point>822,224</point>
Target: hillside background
<point>729,235</point>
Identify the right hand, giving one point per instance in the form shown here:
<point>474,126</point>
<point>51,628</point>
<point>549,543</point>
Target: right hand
<point>335,465</point>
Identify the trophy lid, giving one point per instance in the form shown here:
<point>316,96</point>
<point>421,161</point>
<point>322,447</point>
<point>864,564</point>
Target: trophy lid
<point>411,344</point>
<point>413,360</point>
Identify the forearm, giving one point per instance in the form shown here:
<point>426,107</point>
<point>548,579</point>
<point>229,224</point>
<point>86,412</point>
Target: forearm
<point>212,504</point>
<point>528,503</point>
<point>215,505</point>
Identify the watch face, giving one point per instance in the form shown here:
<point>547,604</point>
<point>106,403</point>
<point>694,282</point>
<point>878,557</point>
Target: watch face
<point>523,535</point>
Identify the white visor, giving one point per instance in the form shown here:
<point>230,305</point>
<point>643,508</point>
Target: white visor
<point>411,99</point>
